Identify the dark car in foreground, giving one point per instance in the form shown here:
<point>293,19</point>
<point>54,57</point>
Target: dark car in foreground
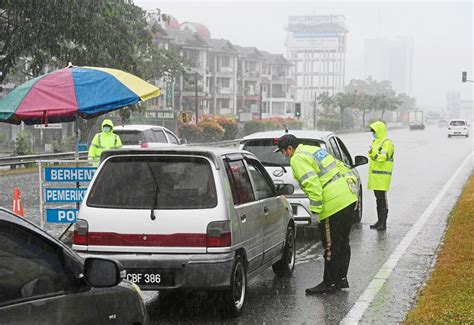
<point>42,281</point>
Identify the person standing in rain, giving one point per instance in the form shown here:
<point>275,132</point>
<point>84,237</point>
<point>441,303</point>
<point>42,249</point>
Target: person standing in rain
<point>104,140</point>
<point>331,189</point>
<point>380,171</point>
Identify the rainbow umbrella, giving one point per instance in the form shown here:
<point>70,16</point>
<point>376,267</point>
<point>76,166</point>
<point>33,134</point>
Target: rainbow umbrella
<point>66,94</point>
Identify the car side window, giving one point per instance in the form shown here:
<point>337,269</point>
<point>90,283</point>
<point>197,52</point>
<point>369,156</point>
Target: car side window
<point>334,148</point>
<point>263,188</point>
<point>345,155</point>
<point>159,136</point>
<point>239,177</point>
<point>30,266</point>
<point>171,137</point>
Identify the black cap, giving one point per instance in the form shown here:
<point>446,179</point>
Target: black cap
<point>285,141</point>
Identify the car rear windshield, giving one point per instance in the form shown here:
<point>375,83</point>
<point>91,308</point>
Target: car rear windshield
<point>263,149</point>
<point>129,137</point>
<point>457,123</point>
<point>131,182</point>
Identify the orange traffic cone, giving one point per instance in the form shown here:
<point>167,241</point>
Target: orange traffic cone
<point>17,204</point>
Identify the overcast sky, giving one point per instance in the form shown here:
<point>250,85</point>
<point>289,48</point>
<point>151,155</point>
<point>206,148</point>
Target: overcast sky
<point>442,34</point>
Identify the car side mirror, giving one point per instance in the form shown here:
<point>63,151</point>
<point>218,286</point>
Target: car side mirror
<point>101,272</point>
<point>183,141</point>
<point>285,189</point>
<point>360,160</point>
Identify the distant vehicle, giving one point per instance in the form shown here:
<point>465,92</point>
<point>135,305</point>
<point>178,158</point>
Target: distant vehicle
<point>458,127</point>
<point>42,281</point>
<point>145,136</point>
<point>415,120</point>
<point>442,123</point>
<point>262,144</point>
<point>184,218</point>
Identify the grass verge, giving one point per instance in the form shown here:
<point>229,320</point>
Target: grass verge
<point>448,296</point>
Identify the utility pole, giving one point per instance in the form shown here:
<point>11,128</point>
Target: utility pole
<point>261,100</point>
<point>196,95</point>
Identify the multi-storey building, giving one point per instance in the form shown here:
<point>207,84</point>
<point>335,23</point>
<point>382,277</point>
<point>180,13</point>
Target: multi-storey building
<point>316,48</point>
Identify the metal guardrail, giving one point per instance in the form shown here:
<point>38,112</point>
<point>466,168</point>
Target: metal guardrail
<point>32,159</point>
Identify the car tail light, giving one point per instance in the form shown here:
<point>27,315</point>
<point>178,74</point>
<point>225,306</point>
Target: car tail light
<point>218,234</point>
<point>145,145</point>
<point>81,232</point>
<point>275,141</point>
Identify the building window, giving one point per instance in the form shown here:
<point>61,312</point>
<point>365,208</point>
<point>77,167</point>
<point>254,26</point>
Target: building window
<point>225,60</point>
<point>225,103</point>
<point>225,82</point>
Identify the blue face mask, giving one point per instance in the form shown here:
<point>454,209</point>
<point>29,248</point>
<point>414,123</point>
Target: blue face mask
<point>107,128</point>
<point>374,135</point>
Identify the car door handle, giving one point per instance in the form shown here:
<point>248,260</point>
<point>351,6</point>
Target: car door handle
<point>243,217</point>
<point>266,210</point>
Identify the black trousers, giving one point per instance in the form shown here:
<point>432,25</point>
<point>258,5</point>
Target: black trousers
<point>382,205</point>
<point>334,232</point>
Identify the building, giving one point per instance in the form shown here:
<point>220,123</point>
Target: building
<point>390,60</point>
<point>456,107</point>
<point>316,49</point>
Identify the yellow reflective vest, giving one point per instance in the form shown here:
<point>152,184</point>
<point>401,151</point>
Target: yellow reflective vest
<point>103,141</point>
<point>328,183</point>
<point>380,159</point>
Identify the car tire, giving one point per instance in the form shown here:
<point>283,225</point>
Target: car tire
<point>357,217</point>
<point>286,265</point>
<point>233,299</point>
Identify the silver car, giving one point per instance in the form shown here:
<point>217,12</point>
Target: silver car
<point>188,218</point>
<point>262,145</point>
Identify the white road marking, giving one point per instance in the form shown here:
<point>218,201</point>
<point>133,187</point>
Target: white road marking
<point>355,314</point>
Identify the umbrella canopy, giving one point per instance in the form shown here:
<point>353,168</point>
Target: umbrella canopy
<point>65,94</point>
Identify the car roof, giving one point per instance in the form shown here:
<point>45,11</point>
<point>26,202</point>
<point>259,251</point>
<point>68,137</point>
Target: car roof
<point>213,153</point>
<point>138,127</point>
<point>457,119</point>
<point>305,134</point>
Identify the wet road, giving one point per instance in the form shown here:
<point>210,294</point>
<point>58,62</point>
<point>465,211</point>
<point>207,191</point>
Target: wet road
<point>424,162</point>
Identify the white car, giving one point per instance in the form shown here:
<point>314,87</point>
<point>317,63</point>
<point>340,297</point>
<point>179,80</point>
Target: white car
<point>145,136</point>
<point>262,145</point>
<point>184,218</point>
<point>458,127</point>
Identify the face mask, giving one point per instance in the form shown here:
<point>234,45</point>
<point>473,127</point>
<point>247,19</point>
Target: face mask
<point>374,135</point>
<point>107,128</point>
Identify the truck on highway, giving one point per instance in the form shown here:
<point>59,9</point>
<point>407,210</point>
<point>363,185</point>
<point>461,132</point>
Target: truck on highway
<point>415,120</point>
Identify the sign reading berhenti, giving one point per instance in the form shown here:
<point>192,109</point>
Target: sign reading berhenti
<point>65,194</point>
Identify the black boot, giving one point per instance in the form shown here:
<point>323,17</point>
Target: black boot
<point>383,224</point>
<point>321,289</point>
<point>342,284</point>
<point>375,225</point>
<point>379,219</point>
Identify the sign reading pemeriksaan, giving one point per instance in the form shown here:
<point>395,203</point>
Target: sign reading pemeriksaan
<point>68,174</point>
<point>64,194</point>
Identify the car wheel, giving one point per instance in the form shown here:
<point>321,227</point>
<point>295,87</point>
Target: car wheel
<point>286,265</point>
<point>234,298</point>
<point>358,212</point>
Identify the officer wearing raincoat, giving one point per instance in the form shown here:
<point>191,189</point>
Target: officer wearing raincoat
<point>380,171</point>
<point>104,140</point>
<point>332,192</point>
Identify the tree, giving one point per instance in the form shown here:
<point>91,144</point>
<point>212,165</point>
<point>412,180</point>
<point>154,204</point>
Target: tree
<point>325,101</point>
<point>344,101</point>
<point>90,32</point>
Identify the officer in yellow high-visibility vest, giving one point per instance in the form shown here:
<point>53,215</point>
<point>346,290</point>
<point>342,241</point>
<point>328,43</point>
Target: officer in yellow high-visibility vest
<point>104,140</point>
<point>380,171</point>
<point>332,192</point>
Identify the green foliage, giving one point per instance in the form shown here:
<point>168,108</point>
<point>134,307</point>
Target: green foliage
<point>230,128</point>
<point>254,126</point>
<point>65,144</point>
<point>190,132</point>
<point>86,32</point>
<point>211,131</point>
<point>23,144</point>
<point>328,123</point>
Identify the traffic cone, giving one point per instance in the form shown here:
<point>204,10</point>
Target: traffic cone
<point>17,204</point>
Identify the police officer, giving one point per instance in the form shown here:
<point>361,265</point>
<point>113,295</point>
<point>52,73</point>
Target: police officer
<point>103,141</point>
<point>380,171</point>
<point>331,190</point>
